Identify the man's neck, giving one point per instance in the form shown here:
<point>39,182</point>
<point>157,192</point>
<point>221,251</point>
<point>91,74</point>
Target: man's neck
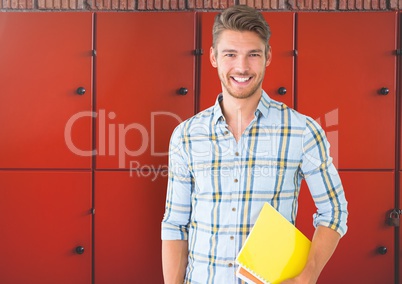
<point>239,113</point>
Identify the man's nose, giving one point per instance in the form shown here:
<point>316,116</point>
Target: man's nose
<point>242,64</point>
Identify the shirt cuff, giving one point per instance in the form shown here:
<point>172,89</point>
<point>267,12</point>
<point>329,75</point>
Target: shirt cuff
<point>173,232</point>
<point>340,229</point>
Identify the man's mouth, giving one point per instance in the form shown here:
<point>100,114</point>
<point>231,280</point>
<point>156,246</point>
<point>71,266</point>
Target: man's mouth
<point>241,79</point>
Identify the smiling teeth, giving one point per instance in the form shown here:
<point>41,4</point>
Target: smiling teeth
<point>241,80</point>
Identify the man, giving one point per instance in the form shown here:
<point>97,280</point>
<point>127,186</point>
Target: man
<point>247,149</point>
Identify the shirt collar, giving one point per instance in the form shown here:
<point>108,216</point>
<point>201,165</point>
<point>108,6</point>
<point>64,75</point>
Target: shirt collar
<point>217,111</point>
<point>264,104</point>
<point>262,108</point>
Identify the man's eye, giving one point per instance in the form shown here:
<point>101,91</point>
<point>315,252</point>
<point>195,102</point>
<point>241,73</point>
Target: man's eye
<point>254,54</point>
<point>229,55</point>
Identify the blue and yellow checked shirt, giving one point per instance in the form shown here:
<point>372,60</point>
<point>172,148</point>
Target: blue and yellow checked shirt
<point>217,186</point>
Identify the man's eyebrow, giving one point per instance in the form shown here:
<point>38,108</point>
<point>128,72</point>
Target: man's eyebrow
<point>229,51</point>
<point>256,51</point>
<point>235,51</point>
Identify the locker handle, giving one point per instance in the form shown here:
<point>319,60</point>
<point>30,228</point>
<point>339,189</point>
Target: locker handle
<point>182,91</point>
<point>79,249</point>
<point>384,91</point>
<point>80,91</point>
<point>382,250</point>
<point>282,91</point>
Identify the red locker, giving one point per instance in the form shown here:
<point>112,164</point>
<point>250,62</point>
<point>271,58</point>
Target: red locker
<point>129,210</point>
<point>279,75</point>
<point>145,85</point>
<point>399,190</point>
<point>398,256</point>
<point>346,79</point>
<point>46,227</point>
<point>45,59</point>
<point>366,253</point>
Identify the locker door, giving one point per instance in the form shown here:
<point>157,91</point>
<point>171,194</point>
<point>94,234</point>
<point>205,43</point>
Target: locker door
<point>346,79</point>
<point>145,85</point>
<point>129,210</point>
<point>45,58</point>
<point>399,190</point>
<point>398,256</point>
<point>279,75</point>
<point>45,227</point>
<point>360,256</point>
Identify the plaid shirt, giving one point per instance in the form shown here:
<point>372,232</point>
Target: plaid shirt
<point>217,186</point>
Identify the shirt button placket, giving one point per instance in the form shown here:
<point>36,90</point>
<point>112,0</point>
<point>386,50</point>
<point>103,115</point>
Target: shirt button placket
<point>235,203</point>
<point>237,161</point>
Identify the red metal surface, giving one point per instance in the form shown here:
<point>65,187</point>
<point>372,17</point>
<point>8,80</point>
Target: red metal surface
<point>399,88</point>
<point>356,260</point>
<point>344,59</point>
<point>399,253</point>
<point>129,211</point>
<point>142,63</point>
<point>399,190</point>
<point>44,216</point>
<point>278,74</point>
<point>44,58</point>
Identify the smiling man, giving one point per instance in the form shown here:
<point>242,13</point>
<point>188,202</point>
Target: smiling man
<point>247,149</point>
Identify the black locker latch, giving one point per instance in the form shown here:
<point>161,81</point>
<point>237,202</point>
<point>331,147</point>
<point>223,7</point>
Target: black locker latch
<point>198,52</point>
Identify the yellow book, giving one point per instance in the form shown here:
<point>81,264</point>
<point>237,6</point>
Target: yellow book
<point>275,250</point>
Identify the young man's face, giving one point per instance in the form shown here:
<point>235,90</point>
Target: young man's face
<point>241,61</point>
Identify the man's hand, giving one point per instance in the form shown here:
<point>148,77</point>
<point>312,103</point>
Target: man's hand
<point>323,245</point>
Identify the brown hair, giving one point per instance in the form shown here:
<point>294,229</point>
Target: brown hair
<point>241,18</point>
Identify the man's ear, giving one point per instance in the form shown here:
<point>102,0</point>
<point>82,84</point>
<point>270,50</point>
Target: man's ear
<point>269,56</point>
<point>212,57</point>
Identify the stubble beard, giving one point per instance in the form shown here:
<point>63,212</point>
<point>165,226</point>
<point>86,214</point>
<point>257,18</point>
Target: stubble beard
<point>245,94</point>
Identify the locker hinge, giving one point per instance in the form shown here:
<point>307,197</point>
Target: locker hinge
<point>399,52</point>
<point>94,52</point>
<point>198,52</point>
<point>93,211</point>
<point>295,53</point>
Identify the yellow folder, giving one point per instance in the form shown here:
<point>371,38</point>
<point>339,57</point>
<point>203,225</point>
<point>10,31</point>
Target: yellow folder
<point>275,250</point>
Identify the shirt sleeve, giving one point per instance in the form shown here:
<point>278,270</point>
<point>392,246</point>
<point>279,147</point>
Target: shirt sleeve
<point>323,180</point>
<point>178,197</point>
